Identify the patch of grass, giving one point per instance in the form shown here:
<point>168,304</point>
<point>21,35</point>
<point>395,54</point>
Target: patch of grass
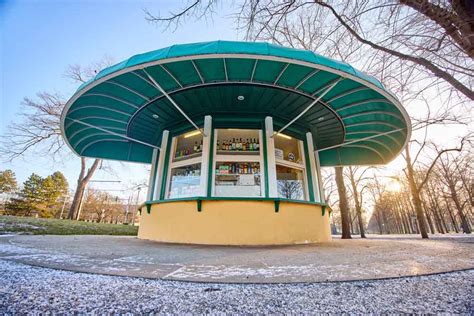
<point>47,226</point>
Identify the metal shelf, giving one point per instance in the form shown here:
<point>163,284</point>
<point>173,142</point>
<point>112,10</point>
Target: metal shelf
<point>193,155</point>
<point>239,152</point>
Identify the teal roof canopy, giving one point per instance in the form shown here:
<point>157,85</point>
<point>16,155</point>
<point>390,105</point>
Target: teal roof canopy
<point>206,79</point>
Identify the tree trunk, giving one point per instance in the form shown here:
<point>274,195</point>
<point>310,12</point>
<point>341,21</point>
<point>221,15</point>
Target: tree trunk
<point>415,195</point>
<point>428,217</point>
<point>76,202</point>
<point>434,208</point>
<point>451,216</point>
<point>82,181</point>
<point>464,223</point>
<point>358,207</point>
<point>378,220</point>
<point>439,225</point>
<point>438,215</point>
<point>343,205</point>
<point>420,216</point>
<point>385,225</point>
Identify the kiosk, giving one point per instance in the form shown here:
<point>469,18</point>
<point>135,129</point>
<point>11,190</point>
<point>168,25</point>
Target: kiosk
<point>236,133</point>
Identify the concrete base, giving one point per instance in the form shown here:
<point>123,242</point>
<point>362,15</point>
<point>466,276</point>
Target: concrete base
<point>340,260</point>
<point>230,222</point>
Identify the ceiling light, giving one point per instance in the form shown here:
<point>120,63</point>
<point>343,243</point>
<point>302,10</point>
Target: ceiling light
<point>284,136</point>
<point>155,116</point>
<point>321,118</point>
<point>191,134</point>
<point>240,98</point>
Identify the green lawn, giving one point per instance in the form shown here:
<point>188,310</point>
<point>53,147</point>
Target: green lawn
<point>46,226</point>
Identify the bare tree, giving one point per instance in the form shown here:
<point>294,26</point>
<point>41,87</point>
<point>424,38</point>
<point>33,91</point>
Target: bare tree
<point>416,185</point>
<point>358,186</point>
<point>437,37</point>
<point>451,176</point>
<point>290,189</point>
<point>343,204</point>
<point>102,207</point>
<point>39,130</point>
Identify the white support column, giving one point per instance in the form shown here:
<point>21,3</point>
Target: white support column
<point>271,163</point>
<point>206,154</point>
<point>312,167</point>
<point>152,180</point>
<point>320,181</point>
<point>160,166</point>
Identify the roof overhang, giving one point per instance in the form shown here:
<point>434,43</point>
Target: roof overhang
<point>207,78</point>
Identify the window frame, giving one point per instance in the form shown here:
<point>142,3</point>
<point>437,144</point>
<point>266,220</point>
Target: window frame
<point>217,158</point>
<point>177,164</point>
<point>238,158</point>
<point>293,165</point>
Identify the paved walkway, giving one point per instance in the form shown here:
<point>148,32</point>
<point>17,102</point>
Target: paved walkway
<point>341,260</point>
<point>32,290</point>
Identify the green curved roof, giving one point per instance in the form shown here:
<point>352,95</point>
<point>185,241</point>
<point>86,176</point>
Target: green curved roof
<point>206,78</point>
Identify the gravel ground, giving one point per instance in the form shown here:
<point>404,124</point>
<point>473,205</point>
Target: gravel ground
<point>27,289</point>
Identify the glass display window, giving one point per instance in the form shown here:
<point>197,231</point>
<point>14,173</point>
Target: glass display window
<point>288,148</point>
<point>238,142</point>
<point>238,179</point>
<point>187,146</point>
<point>291,183</point>
<point>184,173</point>
<point>184,181</point>
<point>290,168</point>
<point>237,163</point>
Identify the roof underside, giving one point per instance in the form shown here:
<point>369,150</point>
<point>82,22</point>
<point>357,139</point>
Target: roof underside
<point>206,79</point>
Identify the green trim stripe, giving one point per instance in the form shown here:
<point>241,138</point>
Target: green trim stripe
<point>231,198</point>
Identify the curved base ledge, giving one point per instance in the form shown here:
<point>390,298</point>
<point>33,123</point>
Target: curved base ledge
<point>235,222</point>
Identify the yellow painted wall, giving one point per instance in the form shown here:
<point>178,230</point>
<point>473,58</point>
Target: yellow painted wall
<point>235,223</point>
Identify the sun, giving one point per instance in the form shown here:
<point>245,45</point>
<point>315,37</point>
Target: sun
<point>394,186</point>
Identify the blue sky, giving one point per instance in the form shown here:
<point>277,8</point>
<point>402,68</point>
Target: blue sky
<point>39,39</point>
